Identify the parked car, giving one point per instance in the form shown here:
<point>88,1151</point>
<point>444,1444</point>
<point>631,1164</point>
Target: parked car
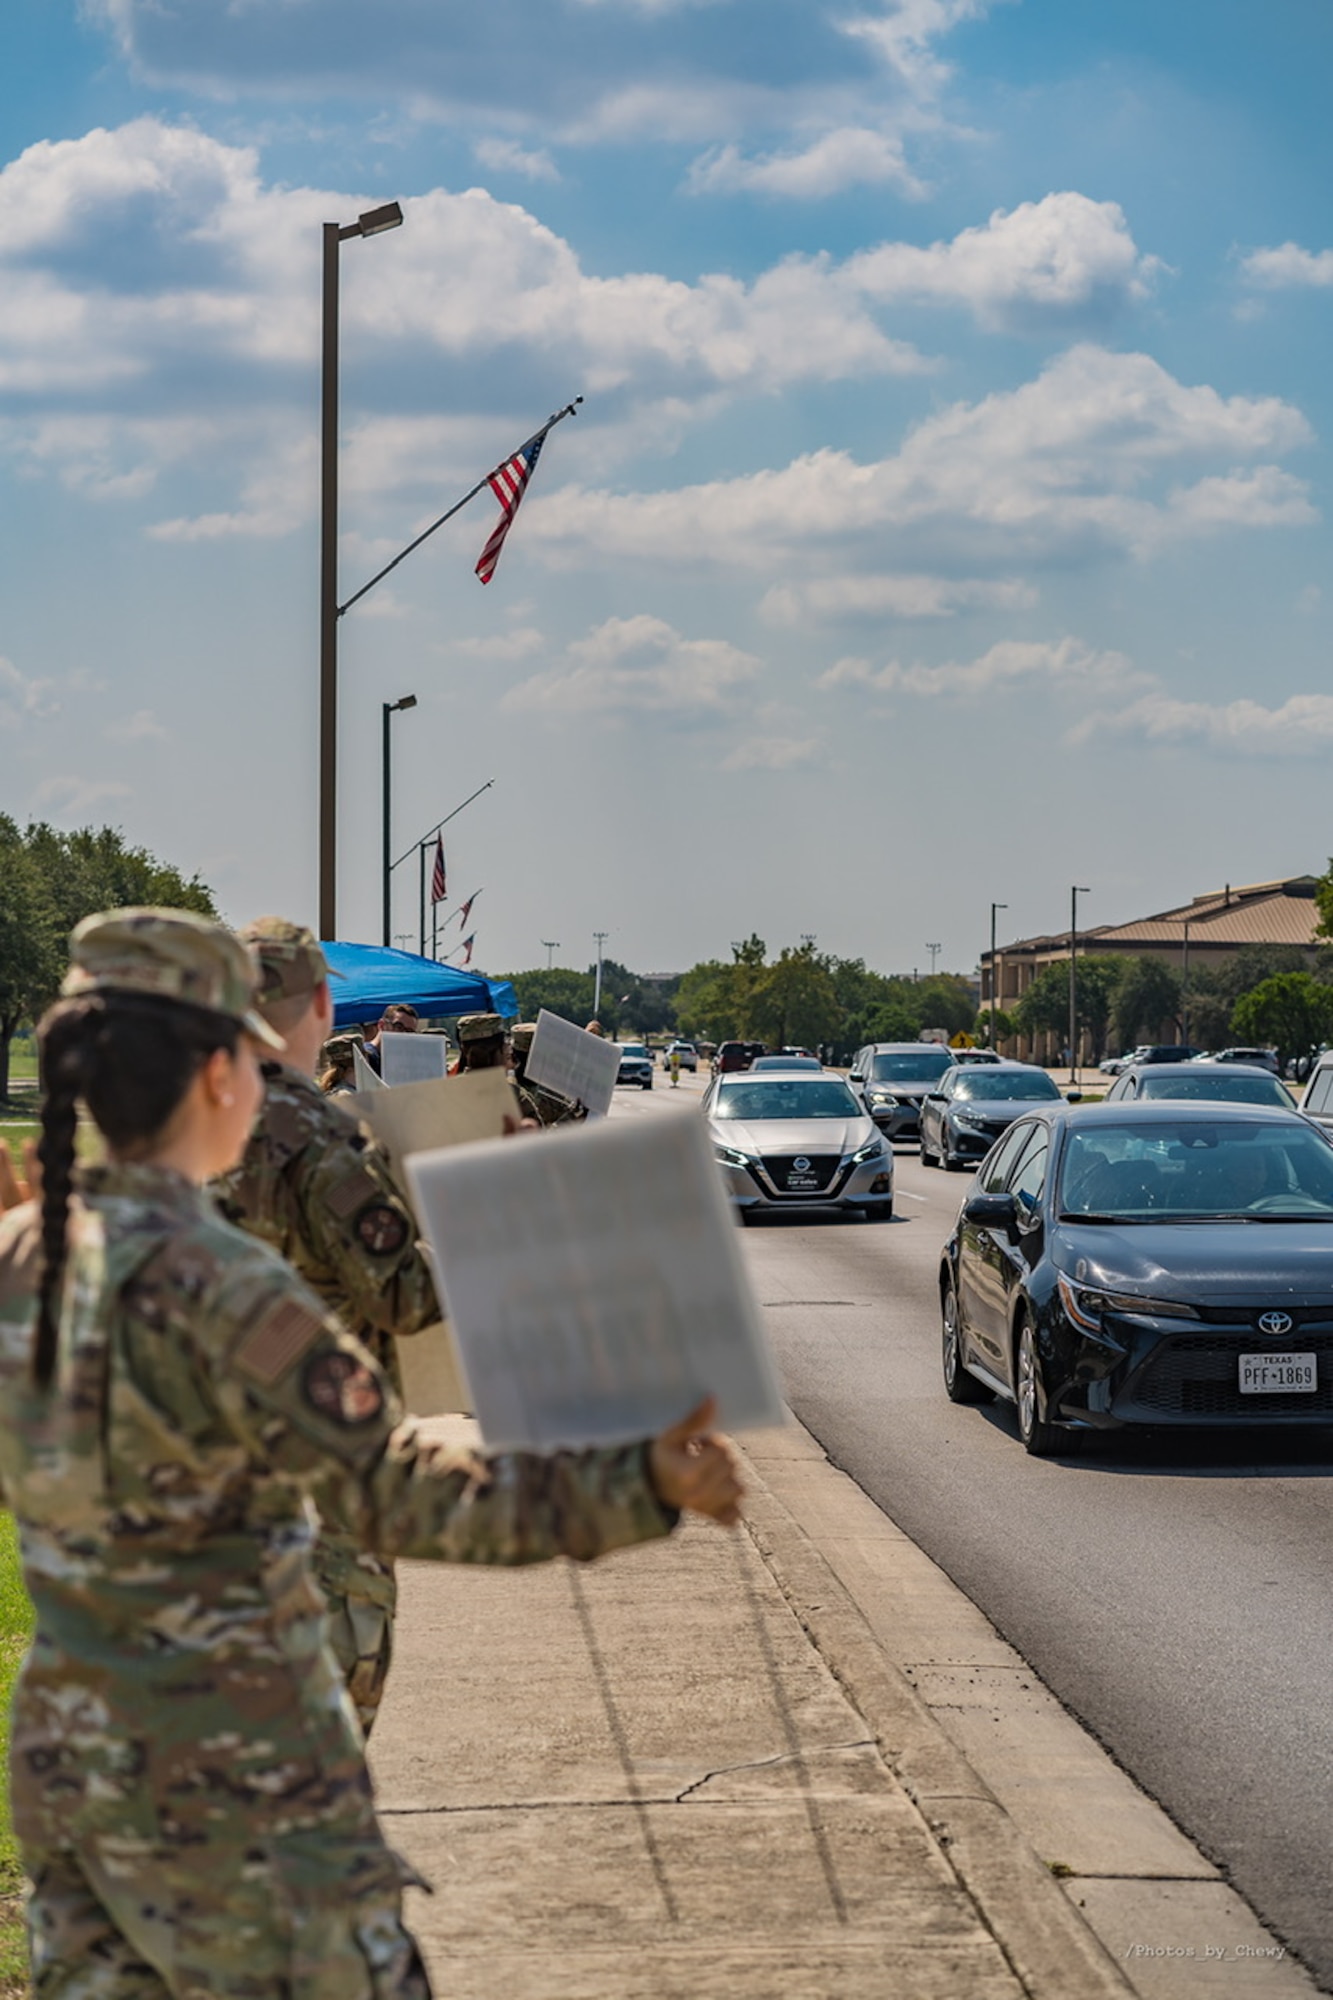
<point>1317,1103</point>
<point>1161,1264</point>
<point>785,1062</point>
<point>962,1119</point>
<point>789,1139</point>
<point>892,1078</point>
<point>636,1065</point>
<point>1113,1065</point>
<point>1256,1058</point>
<point>1224,1083</point>
<point>733,1056</point>
<point>977,1056</point>
<point>689,1055</point>
<point>1166,1052</point>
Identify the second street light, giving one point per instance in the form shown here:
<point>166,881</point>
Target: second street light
<point>1074,895</point>
<point>993,908</point>
<point>390,708</point>
<point>372,223</point>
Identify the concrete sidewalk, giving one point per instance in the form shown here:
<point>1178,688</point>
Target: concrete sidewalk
<point>644,1778</point>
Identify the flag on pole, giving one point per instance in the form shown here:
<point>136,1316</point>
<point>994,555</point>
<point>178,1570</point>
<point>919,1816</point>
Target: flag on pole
<point>437,882</point>
<point>508,484</point>
<point>466,948</point>
<point>466,910</point>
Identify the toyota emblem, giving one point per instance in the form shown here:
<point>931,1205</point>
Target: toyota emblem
<point>802,1166</point>
<point>1275,1323</point>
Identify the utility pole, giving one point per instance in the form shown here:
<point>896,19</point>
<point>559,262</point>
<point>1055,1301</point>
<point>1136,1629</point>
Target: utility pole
<point>1074,895</point>
<point>934,950</point>
<point>552,946</point>
<point>601,937</point>
<point>1185,987</point>
<point>993,908</point>
<point>390,708</point>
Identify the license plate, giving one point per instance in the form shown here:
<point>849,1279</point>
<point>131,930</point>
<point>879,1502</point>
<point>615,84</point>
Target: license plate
<point>801,1183</point>
<point>1278,1374</point>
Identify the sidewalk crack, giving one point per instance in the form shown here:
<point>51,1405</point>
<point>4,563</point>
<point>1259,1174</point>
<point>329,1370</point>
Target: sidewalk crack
<point>768,1763</point>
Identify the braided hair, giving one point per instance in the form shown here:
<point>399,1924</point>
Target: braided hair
<point>130,1057</point>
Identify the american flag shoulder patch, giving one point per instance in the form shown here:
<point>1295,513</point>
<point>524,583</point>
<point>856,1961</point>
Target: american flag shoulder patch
<point>277,1341</point>
<point>353,1191</point>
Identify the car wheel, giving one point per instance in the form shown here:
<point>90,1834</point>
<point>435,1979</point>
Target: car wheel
<point>647,1083</point>
<point>1039,1439</point>
<point>881,1212</point>
<point>928,1159</point>
<point>959,1386</point>
<point>949,1161</point>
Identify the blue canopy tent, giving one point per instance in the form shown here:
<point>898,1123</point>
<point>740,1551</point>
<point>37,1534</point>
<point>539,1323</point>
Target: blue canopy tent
<point>373,978</point>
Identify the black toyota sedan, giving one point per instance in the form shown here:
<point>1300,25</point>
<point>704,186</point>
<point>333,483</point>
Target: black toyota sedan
<point>1140,1263</point>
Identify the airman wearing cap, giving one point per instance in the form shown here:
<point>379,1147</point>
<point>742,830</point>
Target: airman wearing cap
<point>547,1106</point>
<point>315,1185</point>
<point>481,1043</point>
<point>335,1070</point>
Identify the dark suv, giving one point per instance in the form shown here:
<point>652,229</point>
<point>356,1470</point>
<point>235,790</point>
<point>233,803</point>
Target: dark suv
<point>1166,1052</point>
<point>893,1077</point>
<point>735,1055</point>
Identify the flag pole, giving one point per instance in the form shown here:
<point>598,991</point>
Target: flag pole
<point>570,409</point>
<point>421,891</point>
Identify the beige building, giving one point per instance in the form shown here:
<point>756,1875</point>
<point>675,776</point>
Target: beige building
<point>1206,932</point>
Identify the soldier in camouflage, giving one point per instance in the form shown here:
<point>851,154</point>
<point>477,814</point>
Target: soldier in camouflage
<point>548,1107</point>
<point>315,1185</point>
<point>188,1783</point>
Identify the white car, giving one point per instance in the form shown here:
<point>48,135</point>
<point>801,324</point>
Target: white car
<point>689,1055</point>
<point>636,1065</point>
<point>798,1139</point>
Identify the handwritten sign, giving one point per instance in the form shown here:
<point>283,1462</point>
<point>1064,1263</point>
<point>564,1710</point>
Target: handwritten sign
<point>413,1058</point>
<point>578,1065</point>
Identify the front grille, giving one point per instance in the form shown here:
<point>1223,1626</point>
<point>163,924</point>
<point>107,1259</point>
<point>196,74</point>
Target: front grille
<point>1246,1318</point>
<point>1198,1375</point>
<point>815,1178</point>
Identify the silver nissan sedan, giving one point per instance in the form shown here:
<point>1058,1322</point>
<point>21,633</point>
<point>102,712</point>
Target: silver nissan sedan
<point>790,1139</point>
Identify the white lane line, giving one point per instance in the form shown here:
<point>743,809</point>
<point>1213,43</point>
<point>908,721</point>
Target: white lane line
<point>913,1197</point>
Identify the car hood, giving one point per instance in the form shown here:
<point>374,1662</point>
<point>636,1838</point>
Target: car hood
<point>904,1086</point>
<point>996,1107</point>
<point>794,1135</point>
<point>1204,1262</point>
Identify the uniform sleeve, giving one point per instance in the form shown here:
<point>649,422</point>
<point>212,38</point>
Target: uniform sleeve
<point>314,1407</point>
<point>359,1222</point>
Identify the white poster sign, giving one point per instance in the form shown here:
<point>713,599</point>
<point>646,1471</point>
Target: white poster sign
<point>367,1079</point>
<point>449,1111</point>
<point>578,1065</point>
<point>594,1283</point>
<point>413,1058</point>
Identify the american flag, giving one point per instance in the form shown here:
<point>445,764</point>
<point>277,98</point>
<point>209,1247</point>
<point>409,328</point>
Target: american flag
<point>437,881</point>
<point>466,948</point>
<point>508,485</point>
<point>466,910</point>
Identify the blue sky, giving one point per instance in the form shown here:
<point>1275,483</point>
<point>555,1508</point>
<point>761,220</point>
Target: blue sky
<point>946,520</point>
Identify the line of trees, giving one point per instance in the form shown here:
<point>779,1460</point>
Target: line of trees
<point>48,882</point>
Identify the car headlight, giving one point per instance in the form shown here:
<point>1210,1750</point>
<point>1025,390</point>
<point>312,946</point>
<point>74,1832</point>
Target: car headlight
<point>730,1156</point>
<point>872,1150</point>
<point>881,1097</point>
<point>1085,1305</point>
<point>971,1120</point>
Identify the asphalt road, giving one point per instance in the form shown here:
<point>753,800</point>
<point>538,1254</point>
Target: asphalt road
<point>1174,1593</point>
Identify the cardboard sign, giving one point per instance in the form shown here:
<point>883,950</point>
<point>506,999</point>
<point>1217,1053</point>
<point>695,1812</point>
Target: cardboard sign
<point>449,1111</point>
<point>413,1058</point>
<point>594,1283</point>
<point>574,1063</point>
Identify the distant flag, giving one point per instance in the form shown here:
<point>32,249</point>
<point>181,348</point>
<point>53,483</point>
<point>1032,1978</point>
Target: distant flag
<point>508,484</point>
<point>466,910</point>
<point>437,882</point>
<point>466,948</point>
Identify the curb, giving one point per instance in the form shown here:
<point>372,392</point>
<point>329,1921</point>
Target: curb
<point>1053,1953</point>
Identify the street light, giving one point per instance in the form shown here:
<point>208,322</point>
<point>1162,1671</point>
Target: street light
<point>372,223</point>
<point>993,908</point>
<point>1074,895</point>
<point>934,950</point>
<point>551,946</point>
<point>390,708</point>
<point>601,937</point>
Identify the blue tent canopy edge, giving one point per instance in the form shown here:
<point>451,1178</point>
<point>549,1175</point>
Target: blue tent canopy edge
<point>372,977</point>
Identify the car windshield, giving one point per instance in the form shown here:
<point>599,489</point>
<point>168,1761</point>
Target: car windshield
<point>1209,1084</point>
<point>1005,1083</point>
<point>1198,1171</point>
<point>790,1096</point>
<point>906,1065</point>
<point>633,1049</point>
<point>786,1062</point>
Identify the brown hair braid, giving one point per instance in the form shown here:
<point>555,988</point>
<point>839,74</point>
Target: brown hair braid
<point>130,1057</point>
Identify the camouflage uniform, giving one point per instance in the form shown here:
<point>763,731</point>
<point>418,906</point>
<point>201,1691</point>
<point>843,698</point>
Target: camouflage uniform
<point>548,1107</point>
<point>187,1781</point>
<point>315,1185</point>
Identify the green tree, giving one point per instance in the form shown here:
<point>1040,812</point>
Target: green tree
<point>713,999</point>
<point>1044,1008</point>
<point>793,1002</point>
<point>558,988</point>
<point>1147,997</point>
<point>1292,1012</point>
<point>1323,896</point>
<point>30,940</point>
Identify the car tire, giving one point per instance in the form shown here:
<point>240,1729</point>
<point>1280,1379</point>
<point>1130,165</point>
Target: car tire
<point>881,1212</point>
<point>1039,1439</point>
<point>928,1159</point>
<point>959,1386</point>
<point>647,1083</point>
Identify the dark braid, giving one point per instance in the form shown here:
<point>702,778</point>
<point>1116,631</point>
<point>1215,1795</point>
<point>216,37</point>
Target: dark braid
<point>131,1058</point>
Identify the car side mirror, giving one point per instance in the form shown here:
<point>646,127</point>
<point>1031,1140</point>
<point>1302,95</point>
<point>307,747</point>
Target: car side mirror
<point>935,1096</point>
<point>993,1211</point>
<point>855,1076</point>
<point>1073,1097</point>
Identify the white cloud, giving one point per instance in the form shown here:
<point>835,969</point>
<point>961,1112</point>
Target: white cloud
<point>1064,255</point>
<point>1301,726</point>
<point>773,753</point>
<point>521,644</point>
<point>1067,665</point>
<point>904,37</point>
<point>830,599</point>
<point>71,797</point>
<point>506,156</point>
<point>22,696</point>
<point>1288,264</point>
<point>1088,455</point>
<point>640,664</point>
<point>853,156</point>
<point>141,727</point>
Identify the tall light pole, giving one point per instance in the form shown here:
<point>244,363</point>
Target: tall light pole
<point>372,223</point>
<point>993,908</point>
<point>1185,987</point>
<point>390,708</point>
<point>601,937</point>
<point>934,950</point>
<point>1074,895</point>
<point>552,946</point>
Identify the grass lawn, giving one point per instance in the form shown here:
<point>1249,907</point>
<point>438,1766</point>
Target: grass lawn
<point>15,1627</point>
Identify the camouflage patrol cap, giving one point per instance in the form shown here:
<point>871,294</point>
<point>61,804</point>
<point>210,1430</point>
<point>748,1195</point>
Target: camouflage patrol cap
<point>480,1028</point>
<point>339,1049</point>
<point>169,953</point>
<point>286,958</point>
<point>521,1034</point>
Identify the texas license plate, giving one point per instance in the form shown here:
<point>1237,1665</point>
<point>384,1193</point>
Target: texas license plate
<point>1277,1374</point>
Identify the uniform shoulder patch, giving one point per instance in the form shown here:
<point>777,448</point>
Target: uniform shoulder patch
<point>277,1340</point>
<point>342,1388</point>
<point>381,1229</point>
<point>350,1192</point>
